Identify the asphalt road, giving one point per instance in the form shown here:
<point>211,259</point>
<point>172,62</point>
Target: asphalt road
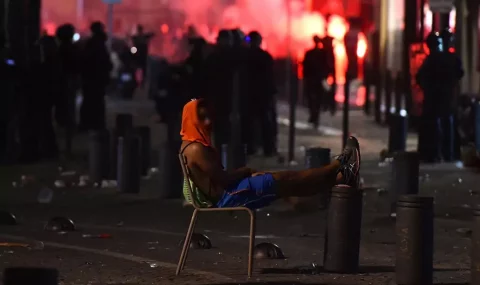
<point>146,233</point>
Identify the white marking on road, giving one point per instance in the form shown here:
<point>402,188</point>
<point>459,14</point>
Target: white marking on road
<point>327,131</point>
<point>128,257</point>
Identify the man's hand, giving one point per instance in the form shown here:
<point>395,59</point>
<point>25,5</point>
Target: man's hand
<point>244,172</point>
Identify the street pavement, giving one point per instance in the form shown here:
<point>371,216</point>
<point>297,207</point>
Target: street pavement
<point>144,232</point>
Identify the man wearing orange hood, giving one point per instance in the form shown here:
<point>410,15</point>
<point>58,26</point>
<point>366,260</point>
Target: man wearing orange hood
<point>215,187</point>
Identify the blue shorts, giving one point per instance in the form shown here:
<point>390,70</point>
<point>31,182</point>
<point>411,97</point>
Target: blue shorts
<point>252,192</point>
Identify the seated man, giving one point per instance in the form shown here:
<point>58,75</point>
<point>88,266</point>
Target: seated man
<point>215,187</point>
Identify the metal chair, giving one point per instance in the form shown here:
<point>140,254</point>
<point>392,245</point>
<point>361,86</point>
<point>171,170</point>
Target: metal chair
<point>198,208</point>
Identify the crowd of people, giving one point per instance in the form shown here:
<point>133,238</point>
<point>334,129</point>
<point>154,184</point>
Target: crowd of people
<point>44,92</point>
<point>236,77</point>
<point>234,67</point>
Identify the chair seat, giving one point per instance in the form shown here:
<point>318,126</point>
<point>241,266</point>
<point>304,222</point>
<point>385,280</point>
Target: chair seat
<point>226,209</point>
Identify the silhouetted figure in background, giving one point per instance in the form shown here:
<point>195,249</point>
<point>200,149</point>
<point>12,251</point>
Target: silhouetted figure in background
<point>219,75</point>
<point>5,108</point>
<point>96,67</point>
<point>239,57</point>
<point>140,41</point>
<point>315,71</point>
<point>38,139</point>
<point>65,102</point>
<point>438,77</point>
<point>127,81</point>
<point>260,94</point>
<point>329,103</point>
<point>195,67</point>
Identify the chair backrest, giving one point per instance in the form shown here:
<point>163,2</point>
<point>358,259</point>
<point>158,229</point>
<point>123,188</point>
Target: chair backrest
<point>191,193</point>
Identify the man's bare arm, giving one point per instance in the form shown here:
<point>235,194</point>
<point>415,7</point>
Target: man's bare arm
<point>239,174</point>
<point>203,159</point>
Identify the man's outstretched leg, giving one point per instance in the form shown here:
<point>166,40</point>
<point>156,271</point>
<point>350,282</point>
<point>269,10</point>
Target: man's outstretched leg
<point>344,170</point>
<point>260,190</point>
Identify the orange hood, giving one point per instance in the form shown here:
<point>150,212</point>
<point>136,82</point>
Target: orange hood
<point>192,130</point>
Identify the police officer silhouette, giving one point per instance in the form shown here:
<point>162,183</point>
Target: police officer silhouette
<point>438,77</point>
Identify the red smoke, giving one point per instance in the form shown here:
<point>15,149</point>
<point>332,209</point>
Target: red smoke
<point>170,19</point>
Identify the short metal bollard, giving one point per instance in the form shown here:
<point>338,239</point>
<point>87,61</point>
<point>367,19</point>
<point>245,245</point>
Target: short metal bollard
<point>342,238</point>
<point>128,164</point>
<point>389,88</point>
<point>477,125</point>
<point>98,157</point>
<point>123,123</point>
<point>414,235</point>
<point>113,153</point>
<point>234,158</point>
<point>404,176</point>
<point>475,259</point>
<point>317,157</point>
<point>397,133</point>
<point>145,149</point>
<point>30,276</point>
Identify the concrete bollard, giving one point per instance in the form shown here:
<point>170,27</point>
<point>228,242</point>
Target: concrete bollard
<point>404,176</point>
<point>342,238</point>
<point>30,276</point>
<point>145,149</point>
<point>475,259</point>
<point>98,155</point>
<point>397,133</point>
<point>123,123</point>
<point>234,158</point>
<point>317,157</point>
<point>414,235</point>
<point>128,164</point>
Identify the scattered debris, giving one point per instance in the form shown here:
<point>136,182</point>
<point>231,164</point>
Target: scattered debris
<point>45,196</point>
<point>466,232</point>
<point>266,250</point>
<point>199,241</point>
<point>7,219</point>
<point>36,245</point>
<point>109,184</point>
<point>381,191</point>
<point>60,224</point>
<point>59,184</point>
<point>99,236</point>
<point>68,173</point>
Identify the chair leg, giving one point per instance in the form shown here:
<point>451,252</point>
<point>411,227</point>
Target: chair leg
<point>189,241</point>
<point>186,244</point>
<point>251,244</point>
